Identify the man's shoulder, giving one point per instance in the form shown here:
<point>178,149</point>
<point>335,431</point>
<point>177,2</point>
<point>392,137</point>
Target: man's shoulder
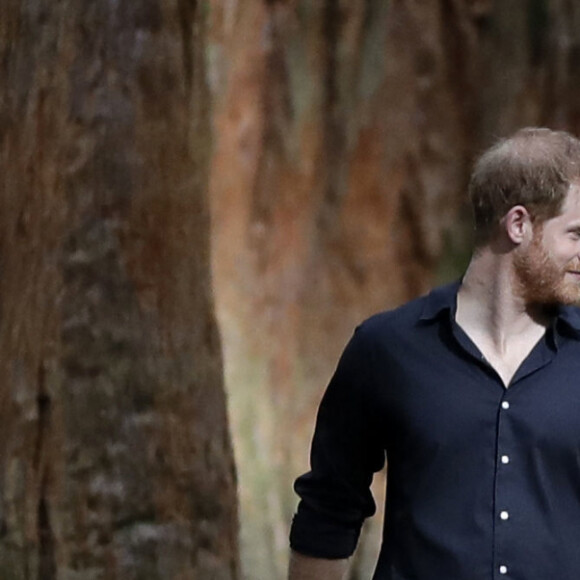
<point>406,317</point>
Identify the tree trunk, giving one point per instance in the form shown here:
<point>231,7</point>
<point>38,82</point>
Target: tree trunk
<point>345,134</point>
<point>115,459</point>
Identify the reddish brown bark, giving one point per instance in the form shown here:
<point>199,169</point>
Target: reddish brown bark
<point>345,131</point>
<point>115,453</point>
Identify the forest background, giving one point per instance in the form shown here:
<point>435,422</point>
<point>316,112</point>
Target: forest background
<point>200,201</point>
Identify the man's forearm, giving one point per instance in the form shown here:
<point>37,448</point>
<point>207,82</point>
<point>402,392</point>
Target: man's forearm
<point>309,568</point>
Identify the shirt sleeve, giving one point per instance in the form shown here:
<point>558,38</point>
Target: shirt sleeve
<point>346,451</point>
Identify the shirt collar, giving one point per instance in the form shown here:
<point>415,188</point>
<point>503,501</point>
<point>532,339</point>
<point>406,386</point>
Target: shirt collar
<point>440,300</point>
<point>444,299</point>
<point>570,316</point>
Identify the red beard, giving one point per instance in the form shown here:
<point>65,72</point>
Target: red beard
<point>540,280</point>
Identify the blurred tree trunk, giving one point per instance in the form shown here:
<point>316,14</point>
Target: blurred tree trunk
<point>345,134</point>
<point>115,458</point>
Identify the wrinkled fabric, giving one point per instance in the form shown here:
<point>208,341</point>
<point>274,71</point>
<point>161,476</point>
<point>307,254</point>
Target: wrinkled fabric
<point>483,481</point>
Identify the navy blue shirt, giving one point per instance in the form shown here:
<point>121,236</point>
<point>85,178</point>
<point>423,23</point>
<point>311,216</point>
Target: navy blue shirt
<point>483,482</point>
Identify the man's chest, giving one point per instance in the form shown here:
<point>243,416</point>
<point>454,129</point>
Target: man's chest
<point>432,401</point>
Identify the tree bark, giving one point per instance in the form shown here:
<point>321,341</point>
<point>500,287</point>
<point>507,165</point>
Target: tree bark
<point>115,458</point>
<point>345,134</point>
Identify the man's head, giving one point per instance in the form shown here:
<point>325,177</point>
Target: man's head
<point>534,168</point>
<point>525,192</point>
<point>547,266</point>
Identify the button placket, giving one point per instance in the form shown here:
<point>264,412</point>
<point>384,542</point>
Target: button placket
<point>503,514</point>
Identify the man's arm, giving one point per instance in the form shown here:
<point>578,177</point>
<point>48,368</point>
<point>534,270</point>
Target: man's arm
<point>347,448</point>
<point>308,568</point>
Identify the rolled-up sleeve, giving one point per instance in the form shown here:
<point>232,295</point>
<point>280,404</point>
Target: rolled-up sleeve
<point>346,451</point>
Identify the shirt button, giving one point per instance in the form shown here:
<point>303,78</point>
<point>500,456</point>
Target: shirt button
<point>505,405</point>
<point>504,515</point>
<point>503,569</point>
<point>505,459</point>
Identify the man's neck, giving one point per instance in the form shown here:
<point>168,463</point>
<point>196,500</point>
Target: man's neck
<point>490,307</point>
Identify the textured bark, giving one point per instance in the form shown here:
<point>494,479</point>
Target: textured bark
<point>115,456</point>
<point>345,132</point>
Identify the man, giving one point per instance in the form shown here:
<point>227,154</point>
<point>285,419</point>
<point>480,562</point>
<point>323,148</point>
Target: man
<point>473,394</point>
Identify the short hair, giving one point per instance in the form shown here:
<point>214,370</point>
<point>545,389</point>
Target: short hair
<point>533,168</point>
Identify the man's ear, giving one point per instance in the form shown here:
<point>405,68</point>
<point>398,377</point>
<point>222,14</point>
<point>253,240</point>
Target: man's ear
<point>517,223</point>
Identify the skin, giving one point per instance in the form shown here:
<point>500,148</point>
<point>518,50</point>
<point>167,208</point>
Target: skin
<point>308,568</point>
<point>512,283</point>
<point>504,305</point>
